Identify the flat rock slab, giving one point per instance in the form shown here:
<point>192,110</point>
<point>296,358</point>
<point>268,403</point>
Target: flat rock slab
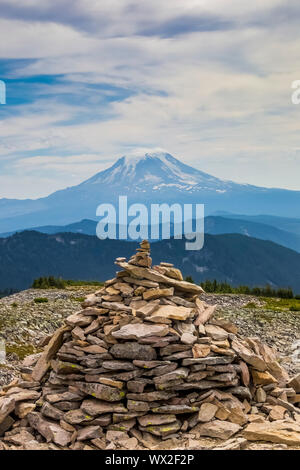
<point>207,412</point>
<point>232,444</point>
<point>180,373</point>
<point>182,302</point>
<point>172,312</point>
<point>64,396</point>
<point>102,392</point>
<point>116,306</point>
<point>151,396</point>
<point>51,431</point>
<point>156,419</point>
<point>277,413</point>
<point>295,383</point>
<point>24,395</point>
<point>77,319</point>
<point>216,332</point>
<point>89,432</point>
<point>262,378</point>
<point>169,271</point>
<point>7,405</point>
<point>141,282</point>
<point>204,312</point>
<point>175,409</point>
<point>132,350</point>
<point>118,365</point>
<point>277,432</point>
<point>201,350</point>
<point>188,338</point>
<point>218,429</point>
<point>140,330</point>
<point>94,407</point>
<point>146,309</point>
<point>207,360</point>
<point>152,275</point>
<point>161,370</point>
<point>150,364</point>
<point>162,430</point>
<point>51,349</point>
<point>248,355</point>
<point>153,294</point>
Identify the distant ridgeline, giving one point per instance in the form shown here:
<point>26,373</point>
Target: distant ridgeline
<point>233,259</point>
<point>6,292</point>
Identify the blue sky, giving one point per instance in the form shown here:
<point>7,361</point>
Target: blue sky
<point>88,81</point>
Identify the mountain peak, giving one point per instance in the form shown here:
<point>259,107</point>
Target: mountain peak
<point>156,169</point>
<point>144,155</point>
<point>131,161</point>
<point>151,176</point>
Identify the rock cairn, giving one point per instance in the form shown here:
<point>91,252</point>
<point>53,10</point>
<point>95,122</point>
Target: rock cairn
<point>145,355</point>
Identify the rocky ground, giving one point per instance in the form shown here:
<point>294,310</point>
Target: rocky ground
<point>24,324</point>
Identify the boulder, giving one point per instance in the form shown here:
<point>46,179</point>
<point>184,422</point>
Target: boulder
<point>218,429</point>
<point>283,432</point>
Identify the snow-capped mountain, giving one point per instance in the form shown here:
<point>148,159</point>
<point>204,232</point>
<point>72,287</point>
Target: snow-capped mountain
<point>156,171</point>
<point>154,177</point>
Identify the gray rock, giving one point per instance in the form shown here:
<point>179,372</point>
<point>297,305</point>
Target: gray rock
<point>180,373</point>
<point>175,409</point>
<point>163,429</point>
<point>89,432</point>
<point>118,365</point>
<point>215,360</point>
<point>102,392</point>
<point>94,407</point>
<point>151,396</point>
<point>140,330</point>
<point>7,405</point>
<point>50,411</point>
<point>218,429</point>
<point>133,351</point>
<point>49,430</point>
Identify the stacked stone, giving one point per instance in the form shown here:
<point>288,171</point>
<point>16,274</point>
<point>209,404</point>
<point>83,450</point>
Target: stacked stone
<point>145,355</point>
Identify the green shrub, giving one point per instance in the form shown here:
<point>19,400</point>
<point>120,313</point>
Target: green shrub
<point>49,282</point>
<point>225,288</point>
<point>71,283</point>
<point>295,308</point>
<point>251,305</point>
<point>40,300</point>
<point>21,350</point>
<point>78,299</point>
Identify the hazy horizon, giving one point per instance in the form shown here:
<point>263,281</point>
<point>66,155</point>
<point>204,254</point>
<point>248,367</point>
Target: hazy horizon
<point>133,155</point>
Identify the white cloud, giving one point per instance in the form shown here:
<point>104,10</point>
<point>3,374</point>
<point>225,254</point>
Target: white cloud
<point>218,99</point>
